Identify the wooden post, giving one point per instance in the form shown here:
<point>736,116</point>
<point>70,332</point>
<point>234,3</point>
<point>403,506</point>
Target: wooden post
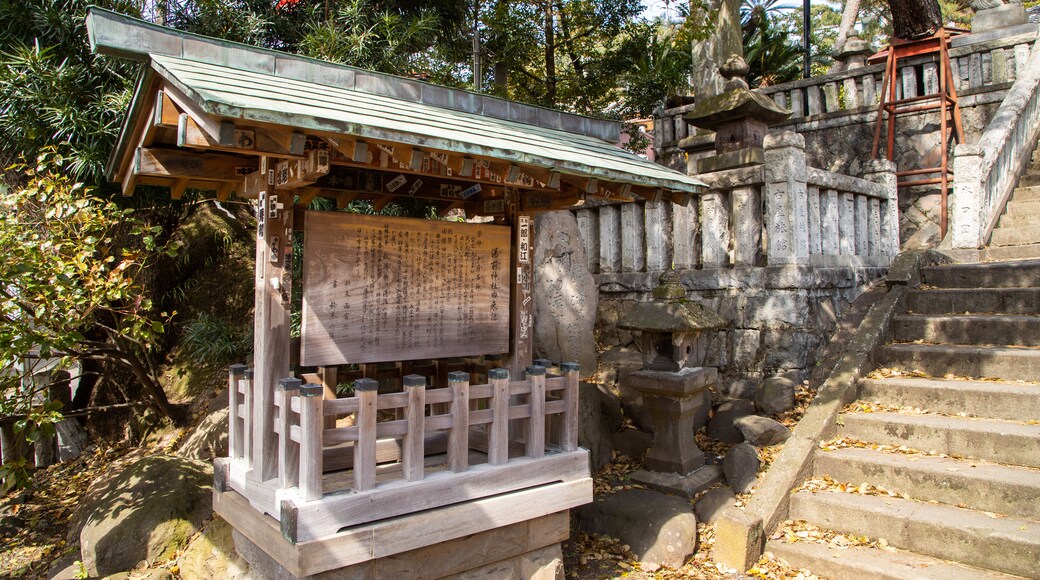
<point>458,439</point>
<point>235,373</point>
<point>328,383</point>
<point>413,454</point>
<point>271,317</point>
<point>522,307</point>
<point>569,440</point>
<point>247,418</point>
<point>289,450</point>
<point>536,432</point>
<point>365,448</point>
<point>498,432</point>
<point>311,461</point>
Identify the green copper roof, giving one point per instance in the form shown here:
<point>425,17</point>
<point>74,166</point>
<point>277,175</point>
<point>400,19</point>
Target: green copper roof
<point>231,92</point>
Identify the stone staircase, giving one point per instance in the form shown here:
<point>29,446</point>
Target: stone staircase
<point>1017,234</point>
<point>941,475</point>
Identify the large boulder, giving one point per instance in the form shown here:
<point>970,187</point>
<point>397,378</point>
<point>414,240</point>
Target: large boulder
<point>722,425</point>
<point>741,467</point>
<point>660,529</point>
<point>147,512</point>
<point>762,431</point>
<point>564,293</point>
<point>593,425</point>
<point>775,395</point>
<point>209,439</point>
<point>212,555</point>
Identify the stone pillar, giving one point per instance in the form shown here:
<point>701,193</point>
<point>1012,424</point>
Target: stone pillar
<point>609,239</point>
<point>714,230</point>
<point>830,96</point>
<point>883,172</point>
<point>746,212</point>
<point>657,226</point>
<point>588,227</point>
<point>829,224</point>
<point>786,193</point>
<point>966,207</point>
<point>633,248</point>
<point>684,236</point>
<point>847,223</point>
<point>815,226</point>
<point>930,73</point>
<point>862,207</point>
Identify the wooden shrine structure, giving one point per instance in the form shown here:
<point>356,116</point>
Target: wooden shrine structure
<point>449,453</point>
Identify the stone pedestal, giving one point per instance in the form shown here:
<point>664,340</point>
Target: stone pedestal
<point>1004,16</point>
<point>673,400</point>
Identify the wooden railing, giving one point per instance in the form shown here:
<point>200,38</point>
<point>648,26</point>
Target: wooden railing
<point>409,451</point>
<point>988,172</point>
<point>780,212</point>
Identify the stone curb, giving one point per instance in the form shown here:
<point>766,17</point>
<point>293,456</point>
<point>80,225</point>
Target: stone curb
<point>741,533</point>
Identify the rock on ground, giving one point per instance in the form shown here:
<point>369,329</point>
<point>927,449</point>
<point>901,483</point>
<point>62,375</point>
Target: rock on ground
<point>209,439</point>
<point>147,512</point>
<point>775,395</point>
<point>762,431</point>
<point>658,528</point>
<point>711,505</point>
<point>212,555</point>
<point>615,363</point>
<point>722,426</point>
<point>593,431</point>
<point>565,293</point>
<point>632,442</point>
<point>741,467</point>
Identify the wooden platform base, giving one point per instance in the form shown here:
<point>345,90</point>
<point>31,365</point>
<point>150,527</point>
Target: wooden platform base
<point>445,541</point>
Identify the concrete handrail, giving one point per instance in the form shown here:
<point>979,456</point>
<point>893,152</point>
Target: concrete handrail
<point>987,173</point>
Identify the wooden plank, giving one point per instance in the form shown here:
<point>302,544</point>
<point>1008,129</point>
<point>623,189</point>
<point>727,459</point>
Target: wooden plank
<point>178,164</point>
<point>178,187</point>
<point>380,289</point>
<point>458,438</point>
<point>498,432</point>
<point>536,431</point>
<point>244,140</point>
<point>335,511</point>
<point>247,418</point>
<point>327,380</point>
<point>569,434</point>
<point>235,374</point>
<point>521,349</point>
<point>413,446</point>
<point>271,322</point>
<point>311,456</point>
<point>387,450</point>
<point>165,113</point>
<point>288,449</point>
<point>365,447</point>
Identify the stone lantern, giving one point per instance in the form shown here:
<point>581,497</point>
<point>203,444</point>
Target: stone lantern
<point>673,340</point>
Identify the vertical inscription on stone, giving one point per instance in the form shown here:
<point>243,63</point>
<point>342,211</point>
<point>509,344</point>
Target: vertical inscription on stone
<point>382,289</point>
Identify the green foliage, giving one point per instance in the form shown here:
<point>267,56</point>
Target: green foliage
<point>214,342</point>
<point>67,290</point>
<point>771,54</point>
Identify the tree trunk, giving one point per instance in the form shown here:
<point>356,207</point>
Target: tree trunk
<point>550,55</point>
<point>848,20</point>
<point>912,19</point>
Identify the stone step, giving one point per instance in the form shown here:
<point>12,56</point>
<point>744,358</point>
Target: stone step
<point>968,329</point>
<point>1005,236</point>
<point>1008,545</point>
<point>940,360</point>
<point>1004,253</point>
<point>978,486</point>
<point>828,561</point>
<point>976,398</point>
<point>975,300</point>
<point>1024,207</point>
<point>1026,194</point>
<point>997,441</point>
<point>1018,221</point>
<point>1020,274</point>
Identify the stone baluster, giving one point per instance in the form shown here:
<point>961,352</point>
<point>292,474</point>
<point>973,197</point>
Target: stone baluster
<point>785,198</point>
<point>588,227</point>
<point>908,81</point>
<point>883,172</point>
<point>657,225</point>
<point>830,96</point>
<point>830,239</point>
<point>862,207</point>
<point>847,221</point>
<point>684,236</point>
<point>874,228</point>
<point>851,88</point>
<point>975,70</point>
<point>812,94</point>
<point>609,239</point>
<point>930,75</point>
<point>869,90</point>
<point>998,61</point>
<point>780,98</point>
<point>798,102</point>
<point>967,201</point>
<point>815,226</point>
<point>746,212</point>
<point>714,229</point>
<point>633,246</point>
<point>1021,58</point>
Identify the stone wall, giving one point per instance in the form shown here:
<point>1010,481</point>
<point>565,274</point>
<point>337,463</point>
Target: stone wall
<point>842,108</point>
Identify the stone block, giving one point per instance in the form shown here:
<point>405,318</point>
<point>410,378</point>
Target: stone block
<point>658,528</point>
<point>741,467</point>
<point>745,349</point>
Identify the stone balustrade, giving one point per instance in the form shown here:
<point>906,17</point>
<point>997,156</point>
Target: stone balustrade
<point>778,213</point>
<point>987,173</point>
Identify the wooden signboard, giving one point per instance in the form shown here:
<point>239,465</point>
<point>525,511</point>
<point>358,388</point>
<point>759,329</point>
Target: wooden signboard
<point>390,289</point>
